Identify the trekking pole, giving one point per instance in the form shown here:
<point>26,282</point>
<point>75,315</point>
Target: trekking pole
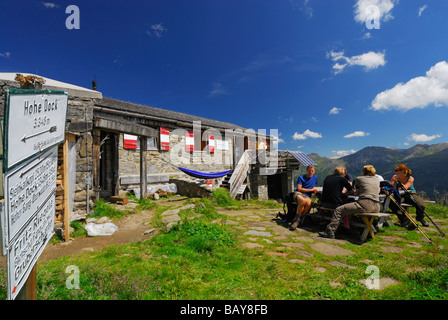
<point>409,217</point>
<point>400,185</point>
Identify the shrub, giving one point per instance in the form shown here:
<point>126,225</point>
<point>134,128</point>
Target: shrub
<point>103,209</point>
<point>204,236</point>
<point>222,198</point>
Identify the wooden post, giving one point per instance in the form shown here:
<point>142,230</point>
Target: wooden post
<point>96,159</point>
<point>143,167</point>
<point>28,291</point>
<point>66,192</point>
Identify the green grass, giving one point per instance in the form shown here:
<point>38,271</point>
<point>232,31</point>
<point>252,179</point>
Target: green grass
<point>190,264</point>
<point>221,197</point>
<point>204,259</point>
<point>104,209</point>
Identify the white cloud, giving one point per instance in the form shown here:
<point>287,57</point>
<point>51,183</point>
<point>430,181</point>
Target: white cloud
<point>335,110</point>
<point>357,134</point>
<point>50,5</point>
<point>302,5</point>
<point>342,153</point>
<point>306,8</point>
<point>5,54</point>
<point>369,60</point>
<point>366,35</point>
<point>118,60</point>
<point>362,12</point>
<point>252,70</point>
<point>156,30</point>
<point>421,9</point>
<point>277,138</point>
<point>418,92</point>
<point>218,89</point>
<point>305,135</point>
<point>423,137</point>
<point>286,119</point>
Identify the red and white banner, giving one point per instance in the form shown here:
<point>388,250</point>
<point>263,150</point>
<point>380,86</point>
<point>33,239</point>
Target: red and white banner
<point>189,141</point>
<point>130,141</point>
<point>164,138</point>
<point>211,144</point>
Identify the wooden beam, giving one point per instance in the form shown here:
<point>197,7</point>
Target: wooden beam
<point>96,158</point>
<point>143,167</point>
<point>66,192</point>
<point>28,291</point>
<point>125,127</point>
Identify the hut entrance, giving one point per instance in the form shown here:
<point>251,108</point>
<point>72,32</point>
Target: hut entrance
<point>108,173</point>
<point>275,186</point>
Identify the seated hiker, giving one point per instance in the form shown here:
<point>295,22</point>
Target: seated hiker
<point>306,186</point>
<point>404,180</point>
<point>367,188</point>
<point>346,175</point>
<point>333,187</point>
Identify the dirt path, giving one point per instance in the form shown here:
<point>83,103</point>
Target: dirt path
<point>130,229</point>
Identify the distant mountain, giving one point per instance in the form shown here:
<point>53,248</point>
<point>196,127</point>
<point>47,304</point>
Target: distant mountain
<point>429,164</point>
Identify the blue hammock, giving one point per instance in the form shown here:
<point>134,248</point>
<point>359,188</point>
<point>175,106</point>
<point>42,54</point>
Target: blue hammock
<point>204,175</point>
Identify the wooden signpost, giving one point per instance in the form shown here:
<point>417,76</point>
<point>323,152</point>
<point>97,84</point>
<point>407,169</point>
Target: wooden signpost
<point>33,127</point>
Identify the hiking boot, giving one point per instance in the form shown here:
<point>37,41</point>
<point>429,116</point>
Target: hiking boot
<point>423,222</point>
<point>281,216</point>
<point>411,227</point>
<point>404,221</point>
<point>295,223</point>
<point>327,234</point>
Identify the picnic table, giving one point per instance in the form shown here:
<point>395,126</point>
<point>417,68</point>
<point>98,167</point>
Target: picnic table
<point>366,221</point>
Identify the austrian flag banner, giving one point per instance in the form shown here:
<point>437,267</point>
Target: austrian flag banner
<point>189,141</point>
<point>164,139</point>
<point>130,141</point>
<point>211,144</point>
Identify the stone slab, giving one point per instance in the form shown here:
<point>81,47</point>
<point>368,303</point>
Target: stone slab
<point>330,249</point>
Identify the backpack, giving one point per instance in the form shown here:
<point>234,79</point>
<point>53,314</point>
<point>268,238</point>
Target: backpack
<point>387,188</point>
<point>291,208</point>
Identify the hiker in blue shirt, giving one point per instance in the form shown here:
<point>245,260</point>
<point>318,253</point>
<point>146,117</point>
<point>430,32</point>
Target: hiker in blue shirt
<point>306,186</point>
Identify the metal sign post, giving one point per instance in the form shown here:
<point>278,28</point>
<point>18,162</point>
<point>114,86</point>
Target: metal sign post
<point>34,126</point>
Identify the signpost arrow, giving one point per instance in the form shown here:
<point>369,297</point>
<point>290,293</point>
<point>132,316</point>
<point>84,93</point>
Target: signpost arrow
<point>51,129</point>
<point>35,120</point>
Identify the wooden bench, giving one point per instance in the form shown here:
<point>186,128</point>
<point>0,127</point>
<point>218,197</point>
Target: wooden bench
<point>368,218</point>
<point>117,199</point>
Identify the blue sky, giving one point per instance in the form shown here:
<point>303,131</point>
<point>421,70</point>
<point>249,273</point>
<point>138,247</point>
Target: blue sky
<point>321,72</point>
